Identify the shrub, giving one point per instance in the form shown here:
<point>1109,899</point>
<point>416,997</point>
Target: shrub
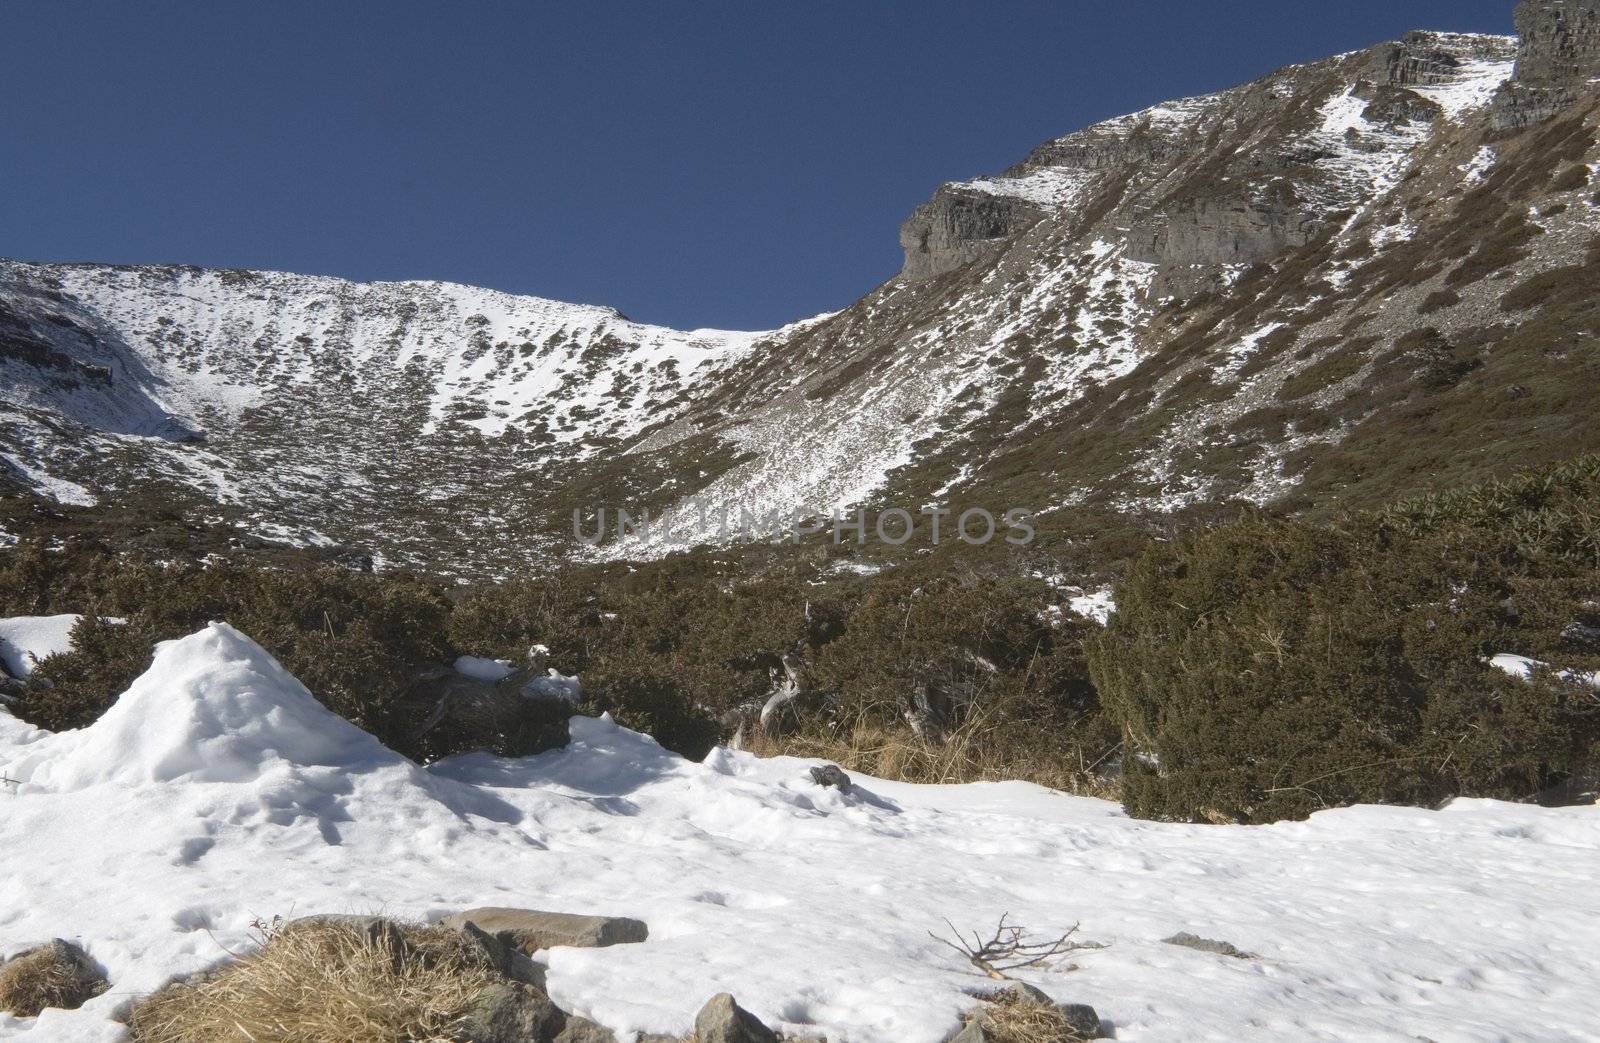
<point>1266,669</point>
<point>357,641</point>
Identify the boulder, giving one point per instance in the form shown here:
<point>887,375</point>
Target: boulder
<point>57,974</point>
<point>511,1012</point>
<point>724,1021</point>
<point>474,714</point>
<point>529,930</point>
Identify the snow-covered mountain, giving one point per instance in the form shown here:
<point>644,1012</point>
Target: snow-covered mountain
<point>1332,285</point>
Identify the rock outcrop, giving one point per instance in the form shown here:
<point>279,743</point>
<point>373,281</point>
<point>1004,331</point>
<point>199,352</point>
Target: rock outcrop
<point>958,226</point>
<point>1559,53</point>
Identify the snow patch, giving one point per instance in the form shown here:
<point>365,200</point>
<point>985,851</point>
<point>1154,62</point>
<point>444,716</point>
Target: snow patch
<point>491,670</point>
<point>25,641</point>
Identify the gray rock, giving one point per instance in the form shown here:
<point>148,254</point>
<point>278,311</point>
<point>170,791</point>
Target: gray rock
<point>724,1021</point>
<point>831,775</point>
<point>58,974</point>
<point>971,1032</point>
<point>582,1030</point>
<point>958,226</point>
<point>1082,1019</point>
<point>510,1012</point>
<point>495,716</point>
<point>1558,53</point>
<point>1581,637</point>
<point>530,930</point>
<point>1194,941</point>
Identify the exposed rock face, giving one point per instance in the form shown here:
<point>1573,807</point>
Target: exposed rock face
<point>1559,53</point>
<point>956,227</point>
<point>1219,232</point>
<point>1560,42</point>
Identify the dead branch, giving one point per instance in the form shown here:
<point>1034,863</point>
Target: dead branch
<point>1008,949</point>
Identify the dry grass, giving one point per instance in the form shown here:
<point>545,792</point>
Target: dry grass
<point>972,753</point>
<point>314,981</point>
<point>1013,1018</point>
<point>46,977</point>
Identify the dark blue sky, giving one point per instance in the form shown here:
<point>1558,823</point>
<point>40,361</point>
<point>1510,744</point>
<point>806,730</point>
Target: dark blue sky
<point>733,163</point>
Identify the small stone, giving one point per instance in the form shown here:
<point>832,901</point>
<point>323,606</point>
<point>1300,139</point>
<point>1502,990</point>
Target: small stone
<point>530,930</point>
<point>724,1021</point>
<point>831,775</point>
<point>1192,941</point>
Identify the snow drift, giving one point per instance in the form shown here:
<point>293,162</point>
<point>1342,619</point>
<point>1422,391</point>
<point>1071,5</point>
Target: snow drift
<point>218,790</point>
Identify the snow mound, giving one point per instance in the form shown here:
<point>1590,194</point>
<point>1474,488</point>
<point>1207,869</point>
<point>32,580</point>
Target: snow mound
<point>26,640</point>
<point>213,707</point>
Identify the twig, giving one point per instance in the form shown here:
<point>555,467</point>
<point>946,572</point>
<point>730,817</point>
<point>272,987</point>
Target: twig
<point>1008,950</point>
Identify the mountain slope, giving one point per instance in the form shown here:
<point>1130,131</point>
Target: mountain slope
<point>1337,284</point>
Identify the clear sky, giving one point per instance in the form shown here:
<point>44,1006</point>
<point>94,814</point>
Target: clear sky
<point>733,163</point>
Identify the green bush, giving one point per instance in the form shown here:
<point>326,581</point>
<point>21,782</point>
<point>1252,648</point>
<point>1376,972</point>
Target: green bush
<point>357,641</point>
<point>1267,669</point>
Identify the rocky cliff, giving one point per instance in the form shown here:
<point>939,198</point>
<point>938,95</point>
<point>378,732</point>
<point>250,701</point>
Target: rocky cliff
<point>1558,57</point>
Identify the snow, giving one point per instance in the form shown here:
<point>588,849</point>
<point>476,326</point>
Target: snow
<point>25,640</point>
<point>1055,187</point>
<point>1473,87</point>
<point>218,790</point>
<point>1095,604</point>
<point>555,685</point>
<point>1524,669</point>
<point>491,670</point>
<point>1483,162</point>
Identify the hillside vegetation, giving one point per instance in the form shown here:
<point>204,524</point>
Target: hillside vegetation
<point>1260,669</point>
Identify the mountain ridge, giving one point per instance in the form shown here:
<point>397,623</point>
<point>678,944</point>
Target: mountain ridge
<point>1211,303</point>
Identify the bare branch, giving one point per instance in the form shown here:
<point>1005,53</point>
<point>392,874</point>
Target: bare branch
<point>1008,949</point>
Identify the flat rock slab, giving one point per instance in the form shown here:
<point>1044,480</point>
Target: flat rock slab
<point>531,930</point>
<point>1186,940</point>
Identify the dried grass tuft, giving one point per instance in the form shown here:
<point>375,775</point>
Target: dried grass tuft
<point>317,980</point>
<point>968,754</point>
<point>1014,1018</point>
<point>46,977</point>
